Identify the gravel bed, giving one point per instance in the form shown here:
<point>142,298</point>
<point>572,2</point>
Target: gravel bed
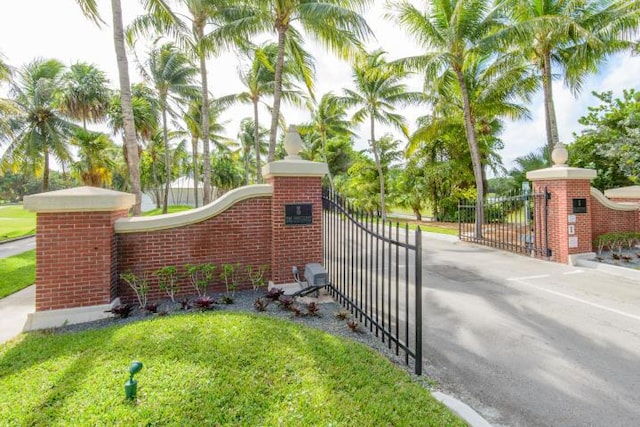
<point>325,320</point>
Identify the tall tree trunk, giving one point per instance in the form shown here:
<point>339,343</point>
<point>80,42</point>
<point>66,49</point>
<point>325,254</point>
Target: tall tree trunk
<point>376,156</point>
<point>323,137</point>
<point>156,186</point>
<point>469,127</point>
<point>194,161</point>
<point>277,93</point>
<point>167,158</point>
<point>45,173</point>
<point>206,153</point>
<point>256,141</point>
<point>133,157</point>
<point>549,108</point>
<point>247,153</point>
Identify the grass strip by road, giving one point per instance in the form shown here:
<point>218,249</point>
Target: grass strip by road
<point>17,272</point>
<point>209,369</point>
<point>16,222</point>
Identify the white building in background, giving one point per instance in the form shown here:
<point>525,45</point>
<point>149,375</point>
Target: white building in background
<point>181,192</point>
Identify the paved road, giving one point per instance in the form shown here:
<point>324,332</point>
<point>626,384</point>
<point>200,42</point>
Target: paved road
<point>531,343</point>
<point>17,246</point>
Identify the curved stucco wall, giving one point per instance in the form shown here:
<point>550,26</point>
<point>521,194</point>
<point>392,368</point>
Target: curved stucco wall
<point>180,219</point>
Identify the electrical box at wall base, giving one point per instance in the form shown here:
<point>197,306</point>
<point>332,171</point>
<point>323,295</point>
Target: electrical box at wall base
<point>315,274</point>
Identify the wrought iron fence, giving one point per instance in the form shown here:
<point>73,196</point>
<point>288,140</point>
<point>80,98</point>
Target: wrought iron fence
<point>516,223</point>
<point>376,273</point>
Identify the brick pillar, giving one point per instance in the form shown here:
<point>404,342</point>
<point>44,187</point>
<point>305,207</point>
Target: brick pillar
<point>568,227</point>
<point>297,192</point>
<point>76,251</point>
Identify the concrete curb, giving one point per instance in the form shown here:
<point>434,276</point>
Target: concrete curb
<point>15,239</point>
<point>629,273</point>
<point>463,410</point>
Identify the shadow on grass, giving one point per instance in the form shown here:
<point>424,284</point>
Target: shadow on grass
<point>211,368</point>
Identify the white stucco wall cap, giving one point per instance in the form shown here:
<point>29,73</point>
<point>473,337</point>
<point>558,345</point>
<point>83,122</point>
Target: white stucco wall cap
<point>80,199</point>
<point>616,206</point>
<point>631,192</point>
<point>180,219</point>
<point>561,172</point>
<point>303,168</point>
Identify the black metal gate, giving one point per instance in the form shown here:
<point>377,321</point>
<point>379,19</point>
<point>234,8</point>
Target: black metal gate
<point>376,274</point>
<point>516,223</point>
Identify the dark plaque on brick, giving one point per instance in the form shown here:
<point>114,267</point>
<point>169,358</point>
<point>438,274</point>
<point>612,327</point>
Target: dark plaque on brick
<point>298,214</point>
<point>579,205</point>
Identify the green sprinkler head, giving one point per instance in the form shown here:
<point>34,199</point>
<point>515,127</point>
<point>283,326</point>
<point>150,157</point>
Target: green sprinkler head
<point>131,386</point>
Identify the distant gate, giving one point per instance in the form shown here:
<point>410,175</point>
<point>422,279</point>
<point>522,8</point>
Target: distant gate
<point>376,274</point>
<point>516,223</point>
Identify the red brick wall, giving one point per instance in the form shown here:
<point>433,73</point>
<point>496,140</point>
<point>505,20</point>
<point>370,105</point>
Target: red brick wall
<point>241,234</point>
<point>560,206</point>
<point>75,259</point>
<point>606,220</point>
<point>295,244</point>
<point>80,258</point>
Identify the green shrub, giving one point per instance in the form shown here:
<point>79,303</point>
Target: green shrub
<point>616,242</point>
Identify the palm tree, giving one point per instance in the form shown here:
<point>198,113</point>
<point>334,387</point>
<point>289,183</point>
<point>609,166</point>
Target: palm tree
<point>146,110</point>
<point>328,118</point>
<point>172,76</point>
<point>193,123</point>
<point>377,92</point>
<point>202,32</point>
<point>337,24</point>
<point>5,69</point>
<point>574,36</point>
<point>526,163</point>
<point>90,9</point>
<point>246,136</point>
<point>39,129</point>
<point>96,152</point>
<point>259,81</point>
<point>85,94</point>
<point>495,85</point>
<point>453,32</point>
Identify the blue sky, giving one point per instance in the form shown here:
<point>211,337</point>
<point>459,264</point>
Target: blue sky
<point>57,29</point>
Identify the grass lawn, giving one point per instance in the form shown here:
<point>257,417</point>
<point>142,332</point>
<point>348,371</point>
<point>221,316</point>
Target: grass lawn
<point>16,222</point>
<point>426,212</point>
<point>170,209</point>
<point>432,227</point>
<point>208,369</point>
<point>17,272</point>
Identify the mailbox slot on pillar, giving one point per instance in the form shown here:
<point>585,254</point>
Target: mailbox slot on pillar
<point>579,206</point>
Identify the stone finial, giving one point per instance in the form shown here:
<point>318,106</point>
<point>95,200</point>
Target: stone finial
<point>559,155</point>
<point>292,144</point>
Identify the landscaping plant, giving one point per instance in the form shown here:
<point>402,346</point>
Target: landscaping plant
<point>261,304</point>
<point>353,324</point>
<point>274,294</point>
<point>256,276</point>
<point>121,311</point>
<point>313,309</point>
<point>200,276</point>
<point>230,275</point>
<point>168,280</point>
<point>139,284</point>
<point>204,302</point>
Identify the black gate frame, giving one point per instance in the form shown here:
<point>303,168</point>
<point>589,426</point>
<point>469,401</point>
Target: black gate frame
<point>498,233</point>
<point>362,258</point>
